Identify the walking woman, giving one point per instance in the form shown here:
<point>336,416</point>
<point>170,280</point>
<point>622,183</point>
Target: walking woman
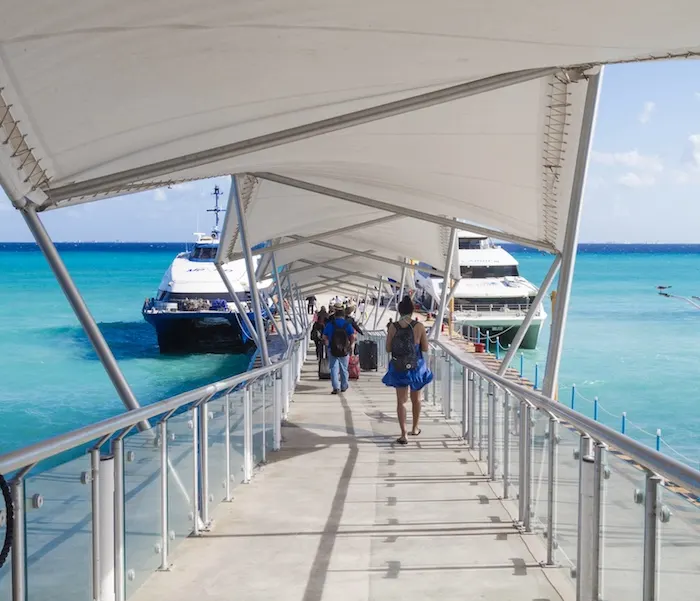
<point>407,340</point>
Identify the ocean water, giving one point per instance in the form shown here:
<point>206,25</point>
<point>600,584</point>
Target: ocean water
<point>635,350</point>
<point>50,378</point>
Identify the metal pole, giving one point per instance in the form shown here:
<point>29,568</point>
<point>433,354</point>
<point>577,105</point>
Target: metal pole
<point>164,539</point>
<point>280,299</point>
<point>247,435</point>
<point>242,311</point>
<point>400,297</point>
<point>446,278</point>
<point>195,472</point>
<point>106,516</point>
<point>522,469</point>
<point>534,308</point>
<point>651,538</point>
<point>450,388</point>
<point>552,490</point>
<point>364,304</point>
<point>587,564</point>
<point>379,296</point>
<point>119,559</point>
<point>204,461</point>
<point>571,238</point>
<point>235,199</point>
<point>386,307</point>
<point>277,398</point>
<point>465,392</point>
<point>227,442</point>
<point>300,132</point>
<point>472,409</point>
<point>527,435</point>
<point>293,305</point>
<point>491,431</point>
<point>300,302</point>
<point>87,321</point>
<point>95,502</point>
<point>506,443</point>
<point>262,396</point>
<point>19,542</point>
<point>481,418</point>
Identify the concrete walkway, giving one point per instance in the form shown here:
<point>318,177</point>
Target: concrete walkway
<point>341,513</point>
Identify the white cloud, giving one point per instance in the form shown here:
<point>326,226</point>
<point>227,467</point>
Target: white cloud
<point>635,180</point>
<point>697,95</point>
<point>160,194</point>
<point>632,159</point>
<point>647,110</point>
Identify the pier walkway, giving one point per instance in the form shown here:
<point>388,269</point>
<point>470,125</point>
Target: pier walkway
<point>342,513</point>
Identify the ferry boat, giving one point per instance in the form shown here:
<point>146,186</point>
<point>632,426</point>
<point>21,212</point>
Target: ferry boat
<point>492,297</point>
<point>193,310</point>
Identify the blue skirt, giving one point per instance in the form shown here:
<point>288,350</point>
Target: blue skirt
<point>415,378</point>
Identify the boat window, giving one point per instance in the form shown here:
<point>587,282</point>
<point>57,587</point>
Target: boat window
<point>488,271</point>
<point>204,253</point>
<point>470,243</point>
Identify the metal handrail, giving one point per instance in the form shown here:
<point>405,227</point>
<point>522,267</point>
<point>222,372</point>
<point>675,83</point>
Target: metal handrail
<point>50,447</point>
<point>667,467</point>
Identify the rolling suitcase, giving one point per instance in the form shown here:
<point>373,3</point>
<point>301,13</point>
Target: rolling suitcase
<point>354,367</point>
<point>324,368</point>
<point>368,355</point>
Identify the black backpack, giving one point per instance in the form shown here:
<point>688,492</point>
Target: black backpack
<point>340,343</point>
<point>403,348</point>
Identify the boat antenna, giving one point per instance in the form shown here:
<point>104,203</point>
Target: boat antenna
<point>216,210</point>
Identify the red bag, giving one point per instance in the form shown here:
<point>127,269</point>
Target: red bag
<point>354,367</point>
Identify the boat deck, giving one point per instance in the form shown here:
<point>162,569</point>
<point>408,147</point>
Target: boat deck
<point>342,513</point>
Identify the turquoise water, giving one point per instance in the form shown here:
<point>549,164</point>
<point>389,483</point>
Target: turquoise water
<point>638,352</point>
<point>50,379</point>
<point>635,350</point>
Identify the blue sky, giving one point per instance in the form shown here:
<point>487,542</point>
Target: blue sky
<point>643,184</point>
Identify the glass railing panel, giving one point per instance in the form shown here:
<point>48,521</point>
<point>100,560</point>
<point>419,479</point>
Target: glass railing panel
<point>456,376</point>
<point>258,394</point>
<point>622,545</point>
<point>513,451</point>
<point>566,496</point>
<point>5,572</point>
<point>180,477</point>
<point>540,463</point>
<point>216,410</point>
<point>59,533</point>
<point>142,506</point>
<point>679,527</point>
<point>237,436</point>
<point>269,411</point>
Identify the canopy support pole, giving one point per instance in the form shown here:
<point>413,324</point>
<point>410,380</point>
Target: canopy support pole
<point>235,196</point>
<point>300,305</point>
<point>401,210</point>
<point>446,278</point>
<point>87,321</point>
<point>400,296</point>
<point>380,288</point>
<point>566,277</point>
<point>358,274</point>
<point>290,295</point>
<point>115,181</point>
<point>364,304</point>
<point>386,307</point>
<point>242,311</point>
<point>280,299</point>
<point>311,265</point>
<point>534,308</point>
<point>573,221</point>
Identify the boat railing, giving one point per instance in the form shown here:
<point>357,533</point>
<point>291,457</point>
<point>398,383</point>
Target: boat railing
<point>497,307</point>
<point>96,510</point>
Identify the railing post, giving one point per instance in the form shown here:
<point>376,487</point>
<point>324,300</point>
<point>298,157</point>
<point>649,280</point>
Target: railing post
<point>118,524</point>
<point>481,418</point>
<point>277,399</point>
<point>433,355</point>
<point>195,472</point>
<point>96,525</point>
<point>525,464</point>
<point>465,392</point>
<point>651,538</point>
<point>247,434</point>
<point>450,388</point>
<point>506,442</point>
<point>164,540</point>
<point>227,445</point>
<point>19,542</point>
<point>491,431</point>
<point>472,409</point>
<point>589,522</point>
<point>264,401</point>
<point>552,491</point>
<point>204,460</point>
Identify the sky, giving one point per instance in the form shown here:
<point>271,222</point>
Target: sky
<point>643,180</point>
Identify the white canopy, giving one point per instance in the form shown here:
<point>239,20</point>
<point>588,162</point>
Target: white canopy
<point>104,99</point>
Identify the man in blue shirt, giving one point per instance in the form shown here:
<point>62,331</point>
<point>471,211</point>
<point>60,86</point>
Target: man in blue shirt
<point>339,335</point>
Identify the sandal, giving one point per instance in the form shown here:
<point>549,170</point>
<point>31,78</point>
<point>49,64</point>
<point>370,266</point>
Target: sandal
<point>401,440</point>
<point>415,433</point>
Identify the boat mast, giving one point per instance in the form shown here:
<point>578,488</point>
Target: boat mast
<point>216,210</point>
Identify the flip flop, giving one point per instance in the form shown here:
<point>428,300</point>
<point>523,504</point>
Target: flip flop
<point>401,440</point>
<point>416,433</point>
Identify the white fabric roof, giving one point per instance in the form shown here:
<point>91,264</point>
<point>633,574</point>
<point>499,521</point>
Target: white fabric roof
<point>94,90</point>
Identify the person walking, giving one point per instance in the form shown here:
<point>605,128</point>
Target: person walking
<point>408,373</point>
<point>311,304</point>
<point>339,336</point>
